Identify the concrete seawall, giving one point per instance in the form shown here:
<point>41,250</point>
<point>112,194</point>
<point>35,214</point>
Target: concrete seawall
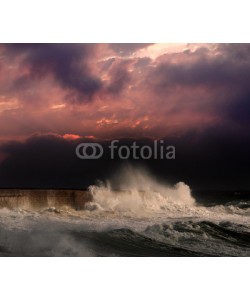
<point>36,199</point>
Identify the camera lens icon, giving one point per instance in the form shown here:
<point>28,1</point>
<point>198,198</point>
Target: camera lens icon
<point>95,151</point>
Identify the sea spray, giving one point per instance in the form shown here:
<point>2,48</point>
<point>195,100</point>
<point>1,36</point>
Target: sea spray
<point>136,191</point>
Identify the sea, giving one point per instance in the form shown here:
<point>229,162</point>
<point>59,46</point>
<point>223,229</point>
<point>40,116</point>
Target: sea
<point>139,216</point>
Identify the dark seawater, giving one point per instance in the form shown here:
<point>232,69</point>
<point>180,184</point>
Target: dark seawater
<point>220,240</point>
<point>215,224</point>
<point>173,239</point>
<point>215,197</point>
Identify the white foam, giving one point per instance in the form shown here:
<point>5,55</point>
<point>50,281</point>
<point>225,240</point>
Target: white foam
<point>138,192</point>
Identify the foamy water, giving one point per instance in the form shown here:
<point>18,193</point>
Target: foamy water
<point>131,214</point>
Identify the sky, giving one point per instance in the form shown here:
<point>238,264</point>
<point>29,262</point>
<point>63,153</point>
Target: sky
<point>195,96</point>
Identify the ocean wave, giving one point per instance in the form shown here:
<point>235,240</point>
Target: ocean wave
<point>177,238</point>
<point>133,215</point>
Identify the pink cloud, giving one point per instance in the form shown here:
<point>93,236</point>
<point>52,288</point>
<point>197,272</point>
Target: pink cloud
<point>143,91</point>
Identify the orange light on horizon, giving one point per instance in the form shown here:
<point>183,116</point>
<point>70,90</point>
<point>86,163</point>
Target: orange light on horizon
<point>68,136</point>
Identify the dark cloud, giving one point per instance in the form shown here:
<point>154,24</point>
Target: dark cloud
<point>165,96</point>
<point>223,79</point>
<point>237,52</point>
<point>71,66</point>
<point>238,109</point>
<point>203,70</point>
<point>68,63</point>
<point>142,62</point>
<point>120,76</point>
<point>209,159</point>
<point>48,162</point>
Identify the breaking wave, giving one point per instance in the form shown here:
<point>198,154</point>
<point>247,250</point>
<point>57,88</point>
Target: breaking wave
<point>132,214</point>
<point>136,191</point>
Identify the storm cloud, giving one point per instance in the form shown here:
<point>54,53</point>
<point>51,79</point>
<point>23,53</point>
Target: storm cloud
<point>68,63</point>
<point>196,96</point>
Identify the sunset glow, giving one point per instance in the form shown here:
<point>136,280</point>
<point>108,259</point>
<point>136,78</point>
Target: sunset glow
<point>137,90</point>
